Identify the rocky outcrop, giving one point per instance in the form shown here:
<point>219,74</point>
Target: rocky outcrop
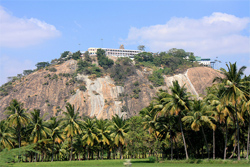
<point>50,91</point>
<point>182,80</point>
<point>202,77</point>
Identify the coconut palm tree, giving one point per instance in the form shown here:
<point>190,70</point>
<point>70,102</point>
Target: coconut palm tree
<point>149,114</point>
<point>198,118</point>
<point>6,137</point>
<point>119,132</point>
<point>222,112</point>
<point>89,133</point>
<point>177,103</point>
<point>56,133</point>
<point>71,124</point>
<point>234,92</point>
<point>17,117</point>
<point>103,132</point>
<point>167,121</point>
<point>38,128</point>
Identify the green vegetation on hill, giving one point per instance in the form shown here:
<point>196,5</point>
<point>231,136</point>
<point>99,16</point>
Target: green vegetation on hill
<point>122,69</point>
<point>87,68</point>
<point>103,60</point>
<point>156,78</point>
<point>167,63</point>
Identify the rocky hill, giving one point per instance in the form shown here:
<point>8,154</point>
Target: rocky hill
<point>50,91</point>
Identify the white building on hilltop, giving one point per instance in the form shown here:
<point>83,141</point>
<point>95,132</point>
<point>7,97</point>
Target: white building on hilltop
<point>205,62</point>
<point>115,52</point>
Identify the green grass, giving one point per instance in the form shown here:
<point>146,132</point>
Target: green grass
<point>135,163</point>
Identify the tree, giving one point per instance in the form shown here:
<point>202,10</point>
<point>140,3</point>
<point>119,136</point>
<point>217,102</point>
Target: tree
<point>103,133</point>
<point>64,54</point>
<point>103,60</point>
<point>27,72</point>
<point>234,91</point>
<point>89,133</point>
<point>38,128</point>
<point>56,133</point>
<point>6,137</point>
<point>177,103</point>
<point>141,47</point>
<point>221,111</point>
<point>76,55</point>
<point>71,124</point>
<point>192,57</point>
<point>119,132</point>
<point>17,117</point>
<point>198,118</point>
<point>40,65</point>
<point>87,57</point>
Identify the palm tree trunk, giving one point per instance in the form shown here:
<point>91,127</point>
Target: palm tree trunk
<point>71,148</point>
<point>92,154</point>
<point>171,138</point>
<point>52,158</point>
<point>176,148</point>
<point>88,153</point>
<point>225,150</point>
<point>233,152</point>
<point>238,132</point>
<point>102,152</point>
<point>208,154</point>
<point>36,155</point>
<point>121,154</point>
<point>183,137</point>
<point>213,144</point>
<point>19,142</point>
<point>248,138</point>
<point>109,154</point>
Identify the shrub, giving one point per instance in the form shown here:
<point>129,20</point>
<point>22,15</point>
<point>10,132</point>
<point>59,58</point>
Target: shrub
<point>82,88</point>
<point>152,159</point>
<point>45,83</point>
<point>136,83</point>
<point>136,90</point>
<point>54,77</point>
<point>72,92</point>
<point>53,69</point>
<point>48,75</point>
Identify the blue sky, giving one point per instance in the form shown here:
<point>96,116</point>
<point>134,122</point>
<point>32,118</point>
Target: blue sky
<point>35,31</point>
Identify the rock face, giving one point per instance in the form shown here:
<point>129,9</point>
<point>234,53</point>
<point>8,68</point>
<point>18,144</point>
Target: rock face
<point>182,80</point>
<point>202,77</point>
<point>196,79</point>
<point>49,91</point>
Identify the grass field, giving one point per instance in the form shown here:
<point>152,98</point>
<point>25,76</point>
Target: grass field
<point>135,163</point>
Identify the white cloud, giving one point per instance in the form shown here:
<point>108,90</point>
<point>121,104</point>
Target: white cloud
<point>210,36</point>
<point>21,32</point>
